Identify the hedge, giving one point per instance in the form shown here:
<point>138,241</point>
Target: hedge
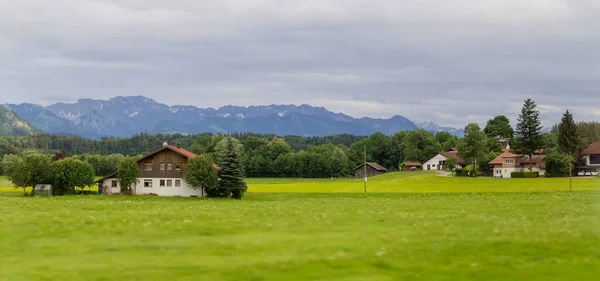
<point>521,175</point>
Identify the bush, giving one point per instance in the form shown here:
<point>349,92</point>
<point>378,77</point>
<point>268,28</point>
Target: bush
<point>466,172</point>
<point>524,175</point>
<point>461,172</point>
<point>557,164</point>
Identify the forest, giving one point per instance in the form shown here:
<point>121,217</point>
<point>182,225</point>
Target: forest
<point>287,156</point>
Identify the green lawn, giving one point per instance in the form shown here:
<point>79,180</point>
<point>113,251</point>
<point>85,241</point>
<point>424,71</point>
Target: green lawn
<point>448,236</point>
<point>467,234</point>
<point>420,182</point>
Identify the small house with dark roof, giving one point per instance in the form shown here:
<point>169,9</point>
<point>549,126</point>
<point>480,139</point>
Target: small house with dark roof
<point>372,169</point>
<point>160,172</point>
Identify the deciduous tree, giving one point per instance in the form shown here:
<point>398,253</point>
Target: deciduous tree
<point>499,126</point>
<point>200,173</point>
<point>28,170</point>
<point>70,173</point>
<point>473,148</point>
<point>127,174</point>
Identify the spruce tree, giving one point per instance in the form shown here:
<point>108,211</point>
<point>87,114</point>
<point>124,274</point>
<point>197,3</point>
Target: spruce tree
<point>568,137</point>
<point>232,171</point>
<point>528,134</point>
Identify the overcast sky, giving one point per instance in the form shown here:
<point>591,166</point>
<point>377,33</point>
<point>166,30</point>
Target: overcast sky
<point>447,61</point>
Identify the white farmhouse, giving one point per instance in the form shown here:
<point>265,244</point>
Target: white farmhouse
<point>160,173</point>
<point>438,162</point>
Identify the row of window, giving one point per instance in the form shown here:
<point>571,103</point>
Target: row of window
<point>163,166</point>
<point>163,183</point>
<point>148,183</point>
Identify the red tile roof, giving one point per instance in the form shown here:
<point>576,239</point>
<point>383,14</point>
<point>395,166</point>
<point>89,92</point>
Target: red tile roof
<point>593,148</point>
<point>182,151</point>
<point>412,164</point>
<point>188,154</point>
<point>523,159</point>
<point>501,157</point>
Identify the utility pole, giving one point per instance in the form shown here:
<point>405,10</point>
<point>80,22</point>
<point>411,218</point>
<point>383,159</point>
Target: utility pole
<point>365,167</point>
<point>571,171</point>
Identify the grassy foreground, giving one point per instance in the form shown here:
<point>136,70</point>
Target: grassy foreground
<point>289,236</point>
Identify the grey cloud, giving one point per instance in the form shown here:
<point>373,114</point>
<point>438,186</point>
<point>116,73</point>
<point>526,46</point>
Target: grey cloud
<point>450,62</point>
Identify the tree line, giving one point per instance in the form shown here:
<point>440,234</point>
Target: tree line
<point>331,156</point>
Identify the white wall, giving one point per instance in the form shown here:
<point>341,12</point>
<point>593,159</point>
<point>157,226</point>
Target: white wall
<point>505,172</point>
<point>183,190</point>
<point>434,161</point>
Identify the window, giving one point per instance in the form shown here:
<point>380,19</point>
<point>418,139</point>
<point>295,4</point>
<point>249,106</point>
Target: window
<point>148,166</point>
<point>113,183</point>
<point>169,183</point>
<point>162,183</point>
<point>509,161</point>
<point>147,183</point>
<point>169,166</point>
<point>177,183</point>
<point>177,166</point>
<point>162,166</point>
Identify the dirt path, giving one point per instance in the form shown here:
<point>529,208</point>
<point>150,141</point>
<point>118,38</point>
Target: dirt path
<point>444,174</point>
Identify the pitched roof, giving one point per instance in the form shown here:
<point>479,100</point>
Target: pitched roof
<point>521,159</point>
<point>501,157</point>
<point>593,148</point>
<point>534,160</point>
<point>453,154</point>
<point>374,166</point>
<point>412,164</point>
<point>181,151</point>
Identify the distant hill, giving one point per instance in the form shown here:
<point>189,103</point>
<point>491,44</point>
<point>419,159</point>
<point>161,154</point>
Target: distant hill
<point>434,128</point>
<point>125,116</point>
<point>12,125</point>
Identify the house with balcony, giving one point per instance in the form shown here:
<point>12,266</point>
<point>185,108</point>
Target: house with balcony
<point>508,162</point>
<point>591,161</point>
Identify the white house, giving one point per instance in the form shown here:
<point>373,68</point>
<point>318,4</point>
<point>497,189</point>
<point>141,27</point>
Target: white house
<point>438,162</point>
<point>591,156</point>
<point>160,173</point>
<point>508,162</point>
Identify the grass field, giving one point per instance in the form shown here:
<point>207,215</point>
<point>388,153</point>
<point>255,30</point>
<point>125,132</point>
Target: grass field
<point>311,236</point>
<point>420,182</point>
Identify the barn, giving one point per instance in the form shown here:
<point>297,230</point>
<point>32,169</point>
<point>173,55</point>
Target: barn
<point>373,169</point>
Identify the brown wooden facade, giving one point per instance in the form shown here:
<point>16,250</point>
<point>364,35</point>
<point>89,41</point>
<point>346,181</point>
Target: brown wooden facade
<point>373,169</point>
<point>163,164</point>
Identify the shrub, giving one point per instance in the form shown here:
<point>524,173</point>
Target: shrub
<point>557,164</point>
<point>521,175</point>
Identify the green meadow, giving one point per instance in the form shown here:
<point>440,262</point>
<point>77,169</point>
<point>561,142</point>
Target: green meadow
<point>409,226</point>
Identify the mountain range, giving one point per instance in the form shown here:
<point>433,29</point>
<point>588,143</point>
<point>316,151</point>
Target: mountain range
<point>124,116</point>
<point>11,124</point>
